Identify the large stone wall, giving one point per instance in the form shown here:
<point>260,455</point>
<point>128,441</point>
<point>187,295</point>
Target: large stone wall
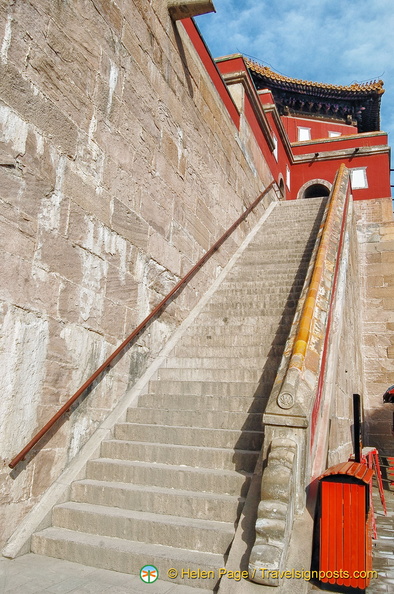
<point>119,167</point>
<point>376,237</point>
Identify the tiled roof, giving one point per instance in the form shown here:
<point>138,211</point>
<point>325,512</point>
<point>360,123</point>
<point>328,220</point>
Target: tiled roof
<point>285,82</point>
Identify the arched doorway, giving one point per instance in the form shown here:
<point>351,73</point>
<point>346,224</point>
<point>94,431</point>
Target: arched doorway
<point>316,191</point>
<point>315,188</point>
<point>282,189</point>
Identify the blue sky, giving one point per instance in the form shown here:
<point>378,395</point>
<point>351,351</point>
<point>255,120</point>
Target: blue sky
<point>331,41</point>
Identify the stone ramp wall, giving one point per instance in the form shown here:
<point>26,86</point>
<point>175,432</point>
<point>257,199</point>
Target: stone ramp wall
<point>376,238</point>
<point>119,167</point>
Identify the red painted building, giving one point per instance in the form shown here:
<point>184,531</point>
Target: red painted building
<point>316,127</point>
<point>305,130</point>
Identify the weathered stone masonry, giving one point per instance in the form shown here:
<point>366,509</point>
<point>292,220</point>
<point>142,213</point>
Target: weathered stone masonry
<point>119,167</point>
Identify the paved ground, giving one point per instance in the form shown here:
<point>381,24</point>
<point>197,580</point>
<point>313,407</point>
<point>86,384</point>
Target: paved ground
<point>33,574</point>
<point>383,547</point>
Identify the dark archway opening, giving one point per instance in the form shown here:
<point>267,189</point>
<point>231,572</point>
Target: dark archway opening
<point>316,191</point>
<point>282,189</point>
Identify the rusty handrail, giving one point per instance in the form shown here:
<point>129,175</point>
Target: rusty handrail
<point>134,334</point>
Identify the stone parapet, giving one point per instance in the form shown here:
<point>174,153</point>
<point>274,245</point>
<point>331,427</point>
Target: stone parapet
<point>375,228</point>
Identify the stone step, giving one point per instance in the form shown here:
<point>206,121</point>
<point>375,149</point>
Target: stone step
<point>300,217</point>
<point>248,363</point>
<point>252,307</point>
<point>218,507</point>
<point>209,375</point>
<point>219,336</point>
<point>269,238</point>
<point>184,533</point>
<point>204,349</point>
<point>125,556</point>
<point>210,388</point>
<point>202,403</point>
<point>211,480</point>
<point>193,418</point>
<point>218,346</point>
<point>300,240</point>
<point>251,291</point>
<point>260,284</point>
<point>195,456</point>
<point>189,436</point>
<point>270,317</point>
<point>270,266</point>
<point>262,258</point>
<point>267,278</point>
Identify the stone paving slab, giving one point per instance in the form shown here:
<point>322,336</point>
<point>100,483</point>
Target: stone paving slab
<point>35,574</point>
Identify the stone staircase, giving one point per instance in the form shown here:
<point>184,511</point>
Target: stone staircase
<point>169,486</point>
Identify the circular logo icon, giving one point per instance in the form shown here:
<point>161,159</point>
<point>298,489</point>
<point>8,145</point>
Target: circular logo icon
<point>149,574</point>
<point>285,400</point>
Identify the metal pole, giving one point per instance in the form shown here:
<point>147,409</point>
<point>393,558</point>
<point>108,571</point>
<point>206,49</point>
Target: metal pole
<point>356,427</point>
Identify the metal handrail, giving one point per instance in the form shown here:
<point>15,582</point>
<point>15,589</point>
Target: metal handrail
<point>134,334</point>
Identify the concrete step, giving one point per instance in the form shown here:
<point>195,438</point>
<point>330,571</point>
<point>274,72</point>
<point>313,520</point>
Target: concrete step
<point>123,555</point>
<point>218,507</point>
<point>221,338</point>
<point>189,436</point>
<point>193,418</point>
<point>185,478</point>
<point>184,533</point>
<point>205,403</point>
<point>195,456</point>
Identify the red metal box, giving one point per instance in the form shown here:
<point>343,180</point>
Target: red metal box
<point>345,541</point>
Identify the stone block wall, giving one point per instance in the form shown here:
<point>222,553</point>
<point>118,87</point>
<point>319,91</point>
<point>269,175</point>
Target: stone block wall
<point>376,237</point>
<point>119,167</point>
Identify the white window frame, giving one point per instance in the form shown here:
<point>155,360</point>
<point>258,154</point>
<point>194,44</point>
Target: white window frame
<point>303,133</point>
<point>333,134</point>
<point>288,174</point>
<point>358,177</point>
<point>275,151</point>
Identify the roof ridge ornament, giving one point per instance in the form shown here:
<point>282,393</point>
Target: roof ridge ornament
<point>373,85</point>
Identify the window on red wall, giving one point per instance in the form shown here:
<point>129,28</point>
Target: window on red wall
<point>288,177</point>
<point>275,151</point>
<point>303,133</point>
<point>358,177</point>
